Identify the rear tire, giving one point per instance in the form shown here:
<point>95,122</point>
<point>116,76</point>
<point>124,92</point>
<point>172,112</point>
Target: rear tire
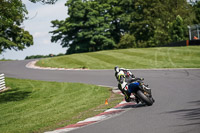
<point>144,98</point>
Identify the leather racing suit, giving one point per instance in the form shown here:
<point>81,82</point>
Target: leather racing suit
<point>127,82</point>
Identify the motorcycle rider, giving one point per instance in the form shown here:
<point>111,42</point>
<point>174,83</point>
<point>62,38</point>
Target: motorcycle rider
<point>127,82</point>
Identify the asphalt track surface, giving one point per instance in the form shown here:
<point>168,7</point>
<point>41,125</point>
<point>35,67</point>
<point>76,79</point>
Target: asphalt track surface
<point>177,95</point>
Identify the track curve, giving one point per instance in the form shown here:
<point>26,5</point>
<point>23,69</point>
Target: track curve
<point>177,95</point>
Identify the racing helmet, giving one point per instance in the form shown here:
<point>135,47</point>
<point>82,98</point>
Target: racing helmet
<point>116,69</point>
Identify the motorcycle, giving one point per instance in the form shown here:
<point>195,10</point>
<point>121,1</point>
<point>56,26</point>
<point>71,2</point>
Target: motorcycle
<point>143,93</point>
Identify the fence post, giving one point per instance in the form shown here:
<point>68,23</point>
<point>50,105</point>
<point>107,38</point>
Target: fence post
<point>2,82</point>
<point>187,42</point>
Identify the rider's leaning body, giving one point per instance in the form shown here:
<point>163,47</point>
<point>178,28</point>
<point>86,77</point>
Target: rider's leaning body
<point>127,82</point>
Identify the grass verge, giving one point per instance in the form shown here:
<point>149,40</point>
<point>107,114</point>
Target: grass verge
<point>38,106</point>
<point>158,57</point>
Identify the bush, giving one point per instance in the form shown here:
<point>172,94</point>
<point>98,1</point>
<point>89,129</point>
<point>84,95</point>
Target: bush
<point>127,41</point>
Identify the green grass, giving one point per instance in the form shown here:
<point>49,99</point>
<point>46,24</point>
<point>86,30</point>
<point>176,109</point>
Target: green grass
<point>38,106</point>
<point>5,60</point>
<point>135,58</point>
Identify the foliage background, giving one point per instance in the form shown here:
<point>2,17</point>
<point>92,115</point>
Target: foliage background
<point>95,25</point>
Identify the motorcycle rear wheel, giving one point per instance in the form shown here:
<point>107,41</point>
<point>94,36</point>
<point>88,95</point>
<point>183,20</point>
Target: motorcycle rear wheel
<point>144,98</point>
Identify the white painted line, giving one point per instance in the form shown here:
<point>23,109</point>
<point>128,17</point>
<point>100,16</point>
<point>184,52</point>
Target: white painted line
<point>61,130</point>
<point>33,66</point>
<point>113,109</point>
<point>96,118</point>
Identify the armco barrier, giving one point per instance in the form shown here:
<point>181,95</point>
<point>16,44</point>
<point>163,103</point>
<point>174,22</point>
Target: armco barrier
<point>2,82</point>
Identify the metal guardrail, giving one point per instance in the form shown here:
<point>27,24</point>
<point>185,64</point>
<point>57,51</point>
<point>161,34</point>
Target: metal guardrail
<point>2,82</point>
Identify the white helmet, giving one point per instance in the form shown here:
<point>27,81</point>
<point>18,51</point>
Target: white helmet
<point>117,69</point>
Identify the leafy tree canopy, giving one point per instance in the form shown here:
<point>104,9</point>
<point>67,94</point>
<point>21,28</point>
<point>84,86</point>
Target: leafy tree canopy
<point>87,28</point>
<point>12,15</point>
<point>95,25</point>
<point>197,12</point>
<point>12,35</point>
<point>177,29</point>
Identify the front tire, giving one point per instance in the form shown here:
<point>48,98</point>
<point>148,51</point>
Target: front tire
<point>144,98</point>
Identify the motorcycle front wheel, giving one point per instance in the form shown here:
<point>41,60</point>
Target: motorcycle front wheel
<point>144,98</point>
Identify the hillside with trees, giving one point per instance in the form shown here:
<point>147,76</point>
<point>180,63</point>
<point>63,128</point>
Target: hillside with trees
<point>95,25</point>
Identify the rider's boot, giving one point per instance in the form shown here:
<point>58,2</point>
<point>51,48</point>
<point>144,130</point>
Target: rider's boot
<point>127,96</point>
<point>137,100</point>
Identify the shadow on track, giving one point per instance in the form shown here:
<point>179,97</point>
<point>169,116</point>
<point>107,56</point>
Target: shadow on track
<point>131,105</point>
<point>192,114</point>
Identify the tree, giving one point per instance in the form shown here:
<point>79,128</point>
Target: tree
<point>143,18</point>
<point>196,8</point>
<point>95,25</point>
<point>86,29</point>
<point>178,30</point>
<point>12,35</point>
<point>127,41</point>
<point>121,15</point>
<point>151,19</point>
